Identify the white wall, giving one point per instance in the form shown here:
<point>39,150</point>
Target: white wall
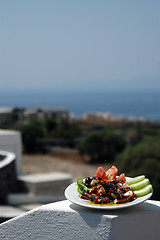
<point>11,141</point>
<point>64,220</point>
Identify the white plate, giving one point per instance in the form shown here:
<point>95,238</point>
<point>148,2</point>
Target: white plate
<point>72,195</point>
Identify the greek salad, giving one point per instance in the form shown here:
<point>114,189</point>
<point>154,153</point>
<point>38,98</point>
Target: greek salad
<point>107,187</point>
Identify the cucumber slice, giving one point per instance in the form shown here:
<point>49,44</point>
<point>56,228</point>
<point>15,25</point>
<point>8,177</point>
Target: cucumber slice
<point>144,191</point>
<point>136,179</point>
<point>140,185</point>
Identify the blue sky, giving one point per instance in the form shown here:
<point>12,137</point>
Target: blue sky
<point>87,44</point>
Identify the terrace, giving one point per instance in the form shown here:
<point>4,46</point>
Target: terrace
<point>57,218</point>
<point>19,192</point>
<point>64,220</point>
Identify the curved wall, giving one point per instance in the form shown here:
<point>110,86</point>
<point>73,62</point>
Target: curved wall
<point>8,181</point>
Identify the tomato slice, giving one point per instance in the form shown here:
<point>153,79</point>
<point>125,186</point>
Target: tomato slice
<point>107,176</point>
<point>100,173</point>
<point>121,177</point>
<point>111,173</point>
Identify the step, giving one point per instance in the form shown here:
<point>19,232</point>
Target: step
<point>9,212</point>
<point>16,199</point>
<point>53,183</point>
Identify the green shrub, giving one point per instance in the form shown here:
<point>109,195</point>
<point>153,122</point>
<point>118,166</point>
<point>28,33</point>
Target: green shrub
<point>143,158</point>
<point>50,125</point>
<point>66,129</point>
<point>101,146</point>
<point>30,133</point>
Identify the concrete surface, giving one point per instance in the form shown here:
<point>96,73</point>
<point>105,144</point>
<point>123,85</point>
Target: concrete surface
<point>16,199</point>
<point>53,183</point>
<point>64,220</point>
<point>9,212</point>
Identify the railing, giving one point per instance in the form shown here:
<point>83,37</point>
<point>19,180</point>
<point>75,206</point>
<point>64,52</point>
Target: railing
<point>7,175</point>
<point>64,220</point>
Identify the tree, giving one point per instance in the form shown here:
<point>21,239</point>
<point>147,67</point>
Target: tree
<point>144,158</point>
<point>50,125</point>
<point>101,146</point>
<point>66,129</point>
<point>30,133</point>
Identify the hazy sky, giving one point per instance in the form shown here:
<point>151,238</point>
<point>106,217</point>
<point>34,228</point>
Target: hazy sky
<point>83,44</point>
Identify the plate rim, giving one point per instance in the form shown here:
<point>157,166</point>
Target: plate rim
<point>82,202</point>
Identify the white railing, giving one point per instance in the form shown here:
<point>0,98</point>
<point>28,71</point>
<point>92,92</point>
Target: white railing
<point>64,220</point>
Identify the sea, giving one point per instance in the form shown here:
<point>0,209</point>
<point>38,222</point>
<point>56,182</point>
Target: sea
<point>132,103</point>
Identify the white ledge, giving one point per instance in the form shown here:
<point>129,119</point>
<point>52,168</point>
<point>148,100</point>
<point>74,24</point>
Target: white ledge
<point>8,158</point>
<point>64,220</point>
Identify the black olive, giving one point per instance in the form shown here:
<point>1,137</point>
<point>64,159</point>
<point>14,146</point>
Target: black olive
<point>87,185</point>
<point>88,180</point>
